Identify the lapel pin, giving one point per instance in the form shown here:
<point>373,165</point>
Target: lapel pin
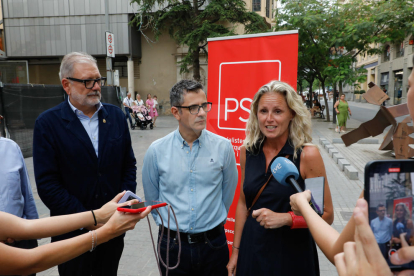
<point>104,121</point>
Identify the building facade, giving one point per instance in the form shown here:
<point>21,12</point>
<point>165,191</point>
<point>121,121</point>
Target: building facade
<point>40,32</point>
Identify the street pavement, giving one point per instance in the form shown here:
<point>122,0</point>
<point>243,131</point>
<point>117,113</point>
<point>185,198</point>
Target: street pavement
<point>138,256</point>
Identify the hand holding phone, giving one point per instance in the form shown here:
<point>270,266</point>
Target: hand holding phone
<point>141,206</point>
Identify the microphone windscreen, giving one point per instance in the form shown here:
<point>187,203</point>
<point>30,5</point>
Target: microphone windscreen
<point>282,168</point>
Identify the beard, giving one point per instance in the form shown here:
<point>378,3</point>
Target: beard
<point>91,99</point>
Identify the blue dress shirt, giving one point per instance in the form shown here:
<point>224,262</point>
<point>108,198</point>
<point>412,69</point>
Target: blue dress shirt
<point>382,229</point>
<point>199,183</point>
<point>16,195</point>
<point>91,125</point>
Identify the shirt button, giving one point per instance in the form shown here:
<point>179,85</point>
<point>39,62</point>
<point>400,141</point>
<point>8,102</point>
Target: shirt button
<point>187,151</point>
<point>191,189</point>
<point>192,209</point>
<point>191,171</point>
<point>191,228</point>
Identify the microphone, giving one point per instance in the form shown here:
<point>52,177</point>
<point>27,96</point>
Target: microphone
<point>286,173</point>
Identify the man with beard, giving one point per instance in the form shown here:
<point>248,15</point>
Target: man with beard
<point>195,171</point>
<point>82,158</point>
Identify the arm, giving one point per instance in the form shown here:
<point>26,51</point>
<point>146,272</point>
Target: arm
<point>241,216</point>
<point>48,172</point>
<point>29,209</point>
<point>326,237</point>
<point>23,261</point>
<point>311,165</point>
<point>21,229</point>
<point>150,178</point>
<point>230,177</point>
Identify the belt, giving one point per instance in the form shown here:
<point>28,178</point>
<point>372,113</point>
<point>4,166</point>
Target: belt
<point>199,237</point>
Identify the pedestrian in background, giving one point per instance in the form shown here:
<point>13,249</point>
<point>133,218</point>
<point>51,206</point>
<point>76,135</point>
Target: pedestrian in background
<point>139,101</point>
<point>83,157</point>
<point>156,108</point>
<point>151,107</point>
<point>342,109</point>
<point>128,109</point>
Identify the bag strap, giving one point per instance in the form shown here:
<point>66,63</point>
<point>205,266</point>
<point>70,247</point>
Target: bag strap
<point>261,190</point>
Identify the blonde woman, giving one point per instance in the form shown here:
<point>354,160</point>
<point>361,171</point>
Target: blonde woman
<point>402,223</point>
<point>268,241</point>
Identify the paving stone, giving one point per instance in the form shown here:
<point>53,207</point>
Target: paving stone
<point>342,163</point>
<point>337,141</point>
<point>351,172</point>
<point>337,156</point>
<point>369,141</point>
<point>332,151</point>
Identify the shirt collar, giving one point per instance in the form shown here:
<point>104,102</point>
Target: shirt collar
<point>98,107</point>
<point>200,140</point>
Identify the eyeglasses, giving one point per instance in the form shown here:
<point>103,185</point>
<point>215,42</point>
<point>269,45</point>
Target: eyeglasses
<point>90,83</point>
<point>194,109</point>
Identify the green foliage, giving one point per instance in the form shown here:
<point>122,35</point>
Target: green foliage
<point>331,34</point>
<point>192,22</point>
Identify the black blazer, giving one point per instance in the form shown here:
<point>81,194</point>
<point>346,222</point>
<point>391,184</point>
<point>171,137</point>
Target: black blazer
<point>70,178</point>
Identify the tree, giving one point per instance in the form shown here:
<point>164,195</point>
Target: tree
<point>192,22</point>
<point>331,35</point>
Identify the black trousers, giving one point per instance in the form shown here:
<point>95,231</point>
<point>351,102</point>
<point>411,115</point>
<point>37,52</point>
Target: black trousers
<point>206,258</point>
<point>104,260</point>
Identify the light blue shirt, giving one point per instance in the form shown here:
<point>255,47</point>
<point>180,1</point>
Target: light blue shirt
<point>16,195</point>
<point>91,125</point>
<point>382,229</point>
<point>199,183</point>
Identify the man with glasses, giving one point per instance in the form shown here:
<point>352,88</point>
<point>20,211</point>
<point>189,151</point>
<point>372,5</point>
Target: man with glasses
<point>195,171</point>
<point>82,158</point>
<point>382,228</point>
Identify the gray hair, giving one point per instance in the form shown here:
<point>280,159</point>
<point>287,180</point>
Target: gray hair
<point>69,60</point>
<point>180,88</point>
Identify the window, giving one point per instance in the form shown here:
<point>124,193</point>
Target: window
<point>399,49</point>
<point>386,54</point>
<point>257,5</point>
<point>122,67</point>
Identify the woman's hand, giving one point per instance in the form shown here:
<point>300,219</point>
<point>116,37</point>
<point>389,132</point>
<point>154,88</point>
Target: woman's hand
<point>232,265</point>
<point>271,220</point>
<point>105,212</point>
<point>337,111</point>
<point>362,257</point>
<point>297,200</point>
<point>121,222</point>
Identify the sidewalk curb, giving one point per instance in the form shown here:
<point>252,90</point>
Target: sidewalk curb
<point>350,171</point>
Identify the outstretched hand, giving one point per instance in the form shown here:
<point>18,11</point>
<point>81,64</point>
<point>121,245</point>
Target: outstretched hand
<point>362,257</point>
<point>105,212</point>
<point>298,200</point>
<point>121,222</point>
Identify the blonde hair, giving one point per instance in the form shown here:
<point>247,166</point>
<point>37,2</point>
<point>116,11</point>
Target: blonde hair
<point>299,128</point>
<point>406,211</point>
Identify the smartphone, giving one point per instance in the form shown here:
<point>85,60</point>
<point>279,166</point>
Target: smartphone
<point>317,187</point>
<point>389,192</point>
<point>141,206</point>
<point>129,196</point>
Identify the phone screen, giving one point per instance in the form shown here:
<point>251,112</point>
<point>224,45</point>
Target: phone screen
<point>389,191</point>
<point>316,186</point>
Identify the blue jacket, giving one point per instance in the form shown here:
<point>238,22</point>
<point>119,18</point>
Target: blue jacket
<point>70,178</point>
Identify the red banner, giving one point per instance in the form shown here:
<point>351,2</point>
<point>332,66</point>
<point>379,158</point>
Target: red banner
<point>237,67</point>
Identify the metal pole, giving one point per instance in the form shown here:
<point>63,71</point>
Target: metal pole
<point>109,78</point>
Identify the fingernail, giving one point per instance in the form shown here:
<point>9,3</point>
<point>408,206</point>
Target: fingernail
<point>396,257</point>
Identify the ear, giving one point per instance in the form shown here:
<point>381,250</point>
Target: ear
<point>66,85</point>
<point>176,112</point>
